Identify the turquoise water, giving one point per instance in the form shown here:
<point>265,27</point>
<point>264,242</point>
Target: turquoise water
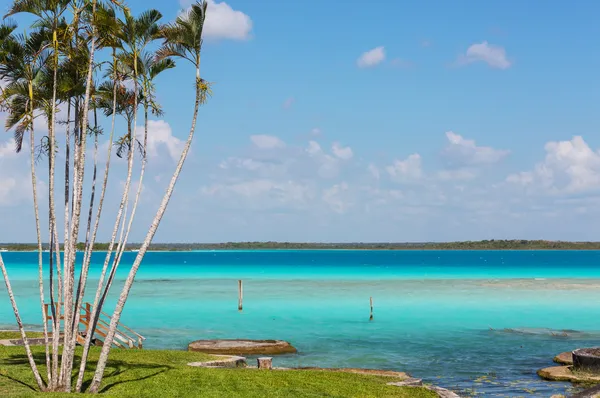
<point>439,315</point>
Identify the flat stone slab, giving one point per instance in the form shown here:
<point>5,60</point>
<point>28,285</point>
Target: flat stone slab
<point>565,373</point>
<point>564,358</point>
<point>370,372</point>
<point>410,382</point>
<point>223,361</point>
<point>242,347</point>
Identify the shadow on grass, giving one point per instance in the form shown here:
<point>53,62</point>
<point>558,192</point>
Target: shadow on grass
<point>117,372</point>
<point>29,386</point>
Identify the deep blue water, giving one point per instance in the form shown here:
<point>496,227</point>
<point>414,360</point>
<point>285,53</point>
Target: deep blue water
<point>439,315</point>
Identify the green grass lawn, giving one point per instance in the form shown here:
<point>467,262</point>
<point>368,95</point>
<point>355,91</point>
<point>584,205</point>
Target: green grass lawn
<point>163,374</point>
<point>13,335</point>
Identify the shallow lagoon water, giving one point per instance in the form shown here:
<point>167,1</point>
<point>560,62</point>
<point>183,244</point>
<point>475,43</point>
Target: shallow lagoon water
<point>439,315</point>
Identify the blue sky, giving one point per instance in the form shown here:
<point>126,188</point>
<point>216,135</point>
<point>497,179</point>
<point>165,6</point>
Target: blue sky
<point>371,121</point>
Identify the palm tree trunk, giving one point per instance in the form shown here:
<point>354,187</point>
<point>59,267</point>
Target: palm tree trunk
<point>52,209</point>
<point>74,325</point>
<point>78,187</point>
<point>40,255</point>
<point>36,373</point>
<point>138,260</point>
<point>89,332</point>
<point>121,219</point>
<point>119,254</point>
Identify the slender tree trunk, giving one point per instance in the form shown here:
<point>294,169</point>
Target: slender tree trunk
<point>89,332</point>
<point>40,253</point>
<point>67,175</point>
<point>121,218</point>
<point>36,373</point>
<point>138,260</point>
<point>78,188</point>
<point>52,209</point>
<point>74,324</point>
<point>100,295</point>
<point>119,254</point>
<point>123,243</point>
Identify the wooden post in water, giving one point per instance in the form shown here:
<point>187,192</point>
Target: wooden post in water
<point>371,302</point>
<point>240,295</point>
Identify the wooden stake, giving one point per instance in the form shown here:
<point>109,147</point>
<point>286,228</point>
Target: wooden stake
<point>265,363</point>
<point>240,295</point>
<point>371,302</point>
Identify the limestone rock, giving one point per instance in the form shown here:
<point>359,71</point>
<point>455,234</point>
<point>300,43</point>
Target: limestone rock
<point>410,382</point>
<point>223,361</point>
<point>564,358</point>
<point>242,347</point>
<point>564,373</point>
<point>370,372</point>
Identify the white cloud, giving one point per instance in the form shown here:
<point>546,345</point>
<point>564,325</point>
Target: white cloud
<point>223,22</point>
<point>371,58</point>
<point>264,141</point>
<point>15,177</point>
<point>263,167</point>
<point>459,174</point>
<point>404,170</point>
<point>569,167</point>
<point>328,165</point>
<point>344,153</point>
<point>464,152</point>
<point>7,149</point>
<point>264,193</point>
<point>374,170</point>
<point>335,197</point>
<point>161,135</point>
<point>313,148</point>
<point>494,56</point>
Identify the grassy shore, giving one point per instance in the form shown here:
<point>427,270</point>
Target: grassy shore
<point>13,334</point>
<point>149,373</point>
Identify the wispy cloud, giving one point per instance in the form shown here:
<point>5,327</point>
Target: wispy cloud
<point>494,56</point>
<point>371,58</point>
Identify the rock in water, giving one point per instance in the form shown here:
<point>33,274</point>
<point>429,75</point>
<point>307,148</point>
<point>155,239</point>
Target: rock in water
<point>564,358</point>
<point>242,347</point>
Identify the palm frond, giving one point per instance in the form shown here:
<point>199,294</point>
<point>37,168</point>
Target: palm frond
<point>160,66</point>
<point>34,7</point>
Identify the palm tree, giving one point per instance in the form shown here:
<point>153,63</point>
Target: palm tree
<point>183,39</point>
<point>134,34</point>
<point>50,15</point>
<point>55,64</point>
<point>23,61</point>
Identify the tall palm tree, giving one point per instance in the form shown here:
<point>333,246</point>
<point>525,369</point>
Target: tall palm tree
<point>106,99</point>
<point>183,39</point>
<point>23,63</point>
<point>134,35</point>
<point>19,69</point>
<point>50,15</point>
<point>55,64</point>
<point>149,67</point>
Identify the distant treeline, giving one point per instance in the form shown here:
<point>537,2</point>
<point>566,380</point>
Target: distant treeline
<point>467,245</point>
